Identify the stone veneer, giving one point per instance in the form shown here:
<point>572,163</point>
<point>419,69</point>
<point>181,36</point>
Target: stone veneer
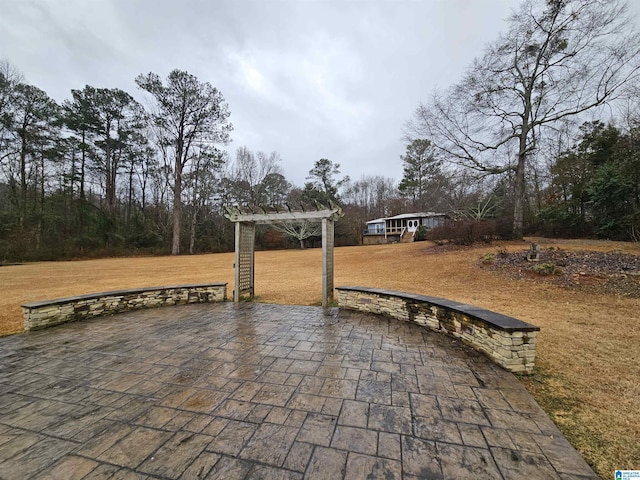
<point>47,313</point>
<point>507,341</point>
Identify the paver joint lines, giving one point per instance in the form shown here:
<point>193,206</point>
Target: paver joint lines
<point>265,391</point>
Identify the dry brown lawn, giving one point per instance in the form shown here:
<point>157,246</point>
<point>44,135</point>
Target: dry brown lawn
<point>588,375</point>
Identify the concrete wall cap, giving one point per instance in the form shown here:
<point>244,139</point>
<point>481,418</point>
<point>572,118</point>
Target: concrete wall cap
<point>494,319</point>
<point>116,293</point>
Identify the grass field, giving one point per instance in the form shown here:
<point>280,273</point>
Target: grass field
<point>588,365</point>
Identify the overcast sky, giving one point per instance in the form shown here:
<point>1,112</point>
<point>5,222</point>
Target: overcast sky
<point>309,79</point>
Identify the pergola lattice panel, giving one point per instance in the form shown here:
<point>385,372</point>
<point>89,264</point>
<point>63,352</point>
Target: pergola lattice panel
<point>245,238</point>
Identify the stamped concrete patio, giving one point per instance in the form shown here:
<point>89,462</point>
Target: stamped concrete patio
<point>265,391</point>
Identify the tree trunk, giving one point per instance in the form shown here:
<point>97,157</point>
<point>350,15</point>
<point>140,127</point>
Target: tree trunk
<point>84,153</point>
<point>143,188</point>
<point>519,181</point>
<point>192,236</point>
<point>177,207</point>
<point>301,243</point>
<point>41,212</point>
<point>109,193</point>
<point>70,200</point>
<point>518,200</point>
<point>22,202</point>
<point>130,196</point>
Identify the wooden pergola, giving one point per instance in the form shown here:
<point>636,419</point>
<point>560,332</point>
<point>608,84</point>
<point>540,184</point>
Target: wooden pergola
<point>246,220</point>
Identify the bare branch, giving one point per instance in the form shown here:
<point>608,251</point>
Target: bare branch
<point>558,60</point>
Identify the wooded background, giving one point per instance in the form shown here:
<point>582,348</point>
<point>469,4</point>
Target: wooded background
<point>541,135</point>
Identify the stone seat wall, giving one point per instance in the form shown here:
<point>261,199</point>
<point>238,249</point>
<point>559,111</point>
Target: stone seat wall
<point>509,342</point>
<point>38,315</point>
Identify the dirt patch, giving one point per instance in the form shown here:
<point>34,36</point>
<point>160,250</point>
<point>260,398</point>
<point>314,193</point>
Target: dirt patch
<point>613,272</point>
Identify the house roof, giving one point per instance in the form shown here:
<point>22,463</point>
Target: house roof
<point>408,215</point>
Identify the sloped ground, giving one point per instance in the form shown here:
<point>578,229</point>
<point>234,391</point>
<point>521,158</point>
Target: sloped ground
<point>588,355</point>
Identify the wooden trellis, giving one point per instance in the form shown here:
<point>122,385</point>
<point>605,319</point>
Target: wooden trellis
<point>246,220</point>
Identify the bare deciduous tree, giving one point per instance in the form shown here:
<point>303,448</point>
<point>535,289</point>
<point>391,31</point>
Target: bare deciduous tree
<point>300,231</point>
<point>202,182</point>
<point>250,172</point>
<point>10,78</point>
<point>558,59</point>
<point>372,193</point>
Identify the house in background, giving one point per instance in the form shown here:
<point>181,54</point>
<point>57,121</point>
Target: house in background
<point>400,228</point>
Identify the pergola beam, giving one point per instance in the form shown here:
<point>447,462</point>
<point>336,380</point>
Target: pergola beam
<point>293,216</point>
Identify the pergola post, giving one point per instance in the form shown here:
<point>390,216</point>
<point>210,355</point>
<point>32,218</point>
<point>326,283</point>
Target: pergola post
<point>327,261</point>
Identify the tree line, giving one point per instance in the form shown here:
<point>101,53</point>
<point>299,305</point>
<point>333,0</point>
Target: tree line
<point>99,174</point>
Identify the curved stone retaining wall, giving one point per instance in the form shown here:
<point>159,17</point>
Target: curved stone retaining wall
<point>509,342</point>
<point>47,313</point>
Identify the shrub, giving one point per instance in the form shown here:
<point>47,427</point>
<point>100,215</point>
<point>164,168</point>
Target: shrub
<point>556,221</point>
<point>421,234</point>
<point>464,232</point>
<point>488,259</point>
<point>546,269</point>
